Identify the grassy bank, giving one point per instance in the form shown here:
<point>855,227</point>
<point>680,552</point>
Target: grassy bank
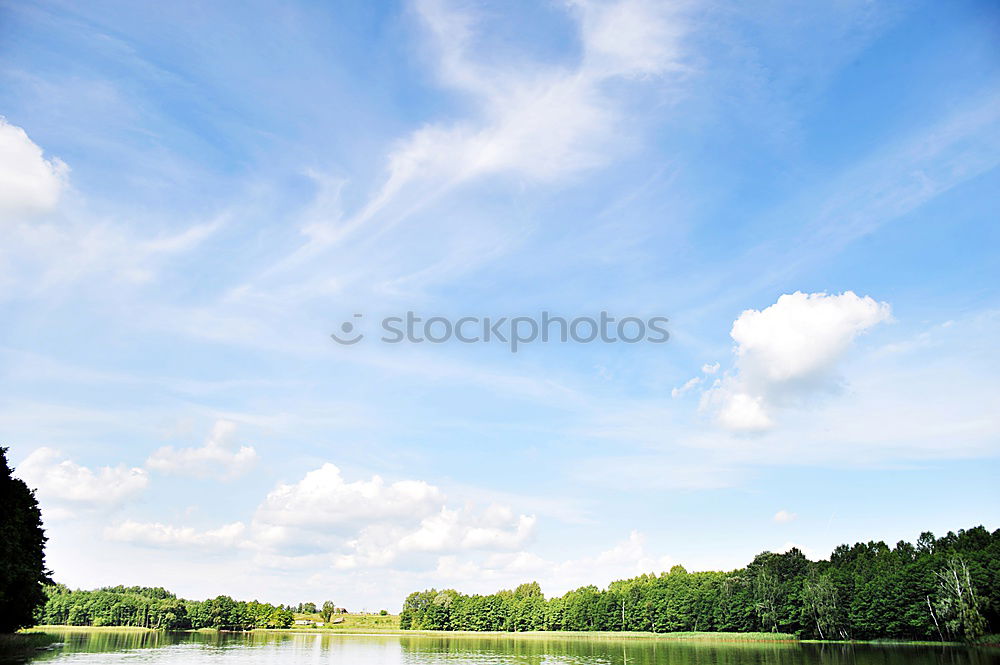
<point>388,628</point>
<point>615,635</point>
<point>93,629</point>
<point>367,623</point>
<point>15,645</point>
<point>389,624</point>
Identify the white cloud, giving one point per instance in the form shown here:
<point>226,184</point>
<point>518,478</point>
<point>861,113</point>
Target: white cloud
<point>802,334</point>
<point>368,523</point>
<point>624,559</point>
<point>326,521</point>
<point>688,385</point>
<point>540,121</point>
<point>630,37</point>
<point>495,528</point>
<point>740,411</point>
<point>323,498</point>
<point>784,516</point>
<point>155,534</point>
<point>64,485</point>
<point>218,457</point>
<point>787,352</point>
<point>532,120</point>
<point>29,183</point>
<point>694,382</point>
<point>50,244</point>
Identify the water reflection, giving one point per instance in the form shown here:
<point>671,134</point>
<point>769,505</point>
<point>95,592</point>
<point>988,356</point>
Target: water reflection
<point>315,648</point>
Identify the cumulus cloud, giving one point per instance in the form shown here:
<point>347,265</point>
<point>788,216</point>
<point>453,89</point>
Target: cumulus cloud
<point>324,520</point>
<point>784,516</point>
<point>495,528</point>
<point>324,498</point>
<point>155,534</point>
<point>787,352</point>
<point>29,183</point>
<point>624,559</point>
<point>373,523</point>
<point>63,485</point>
<point>218,457</point>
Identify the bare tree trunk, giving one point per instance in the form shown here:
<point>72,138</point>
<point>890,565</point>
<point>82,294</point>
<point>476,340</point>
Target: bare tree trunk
<point>934,616</point>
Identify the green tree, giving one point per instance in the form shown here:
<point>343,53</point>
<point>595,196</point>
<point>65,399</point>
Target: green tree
<point>823,607</point>
<point>959,604</point>
<point>939,588</point>
<point>22,552</point>
<point>327,611</point>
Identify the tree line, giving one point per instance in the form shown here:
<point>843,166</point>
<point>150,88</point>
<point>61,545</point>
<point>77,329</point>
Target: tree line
<point>944,589</point>
<point>155,607</point>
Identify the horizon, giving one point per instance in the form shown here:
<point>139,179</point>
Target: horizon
<point>365,610</point>
<point>202,206</point>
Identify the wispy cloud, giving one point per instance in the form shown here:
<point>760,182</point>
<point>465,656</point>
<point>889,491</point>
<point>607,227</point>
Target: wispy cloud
<point>217,457</point>
<point>535,122</point>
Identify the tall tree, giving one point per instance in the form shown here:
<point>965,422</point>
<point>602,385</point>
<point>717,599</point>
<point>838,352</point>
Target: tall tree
<point>959,604</point>
<point>328,609</point>
<point>22,551</point>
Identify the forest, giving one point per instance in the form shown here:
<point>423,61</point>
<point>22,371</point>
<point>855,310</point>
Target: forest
<point>941,589</point>
<point>155,607</point>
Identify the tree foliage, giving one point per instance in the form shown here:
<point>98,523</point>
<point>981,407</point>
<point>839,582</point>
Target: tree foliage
<point>22,551</point>
<point>941,588</point>
<point>327,610</point>
<point>155,607</point>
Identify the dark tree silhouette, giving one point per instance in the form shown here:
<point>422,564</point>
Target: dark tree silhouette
<point>22,551</point>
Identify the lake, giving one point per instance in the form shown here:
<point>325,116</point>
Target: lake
<point>294,648</point>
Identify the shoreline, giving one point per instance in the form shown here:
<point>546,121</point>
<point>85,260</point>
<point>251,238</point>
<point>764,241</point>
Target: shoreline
<point>728,638</point>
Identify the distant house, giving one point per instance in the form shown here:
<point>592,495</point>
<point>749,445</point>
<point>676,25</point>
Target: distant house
<point>340,610</point>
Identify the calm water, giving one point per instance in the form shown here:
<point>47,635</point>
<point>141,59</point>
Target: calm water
<point>254,649</point>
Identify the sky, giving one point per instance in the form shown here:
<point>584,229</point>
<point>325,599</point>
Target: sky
<point>195,196</point>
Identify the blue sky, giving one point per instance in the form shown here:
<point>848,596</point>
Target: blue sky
<point>195,196</point>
